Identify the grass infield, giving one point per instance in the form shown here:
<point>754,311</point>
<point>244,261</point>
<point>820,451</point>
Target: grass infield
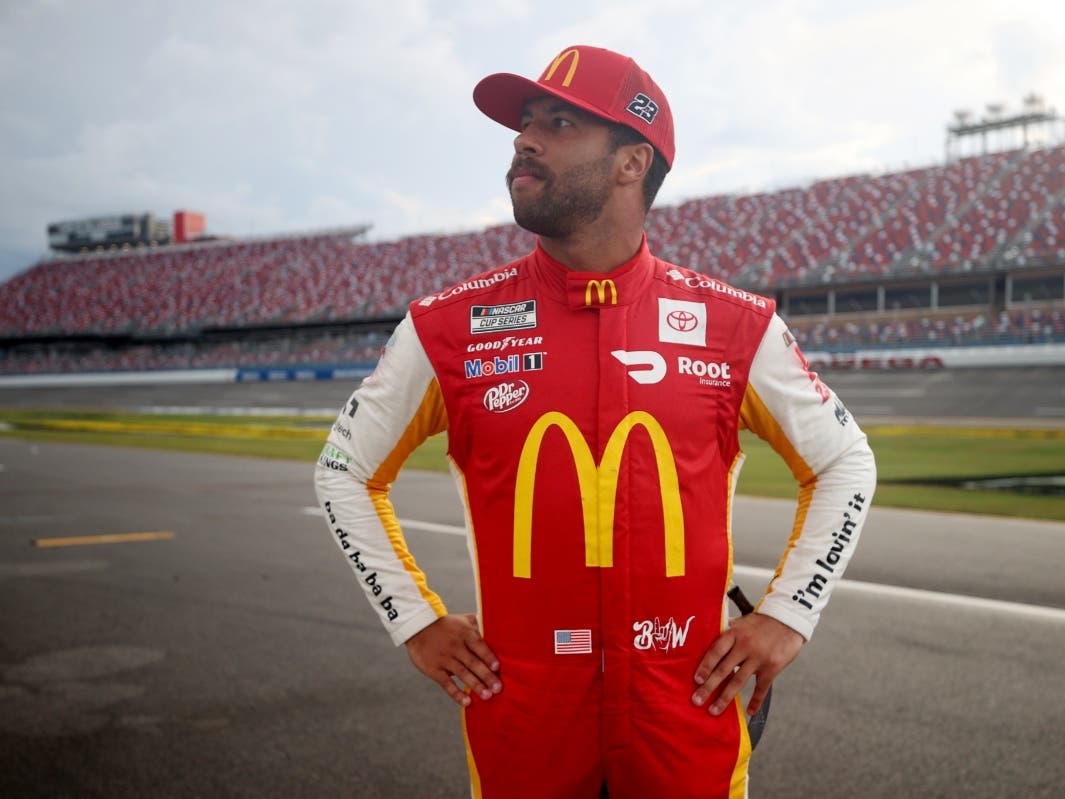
<point>915,464</point>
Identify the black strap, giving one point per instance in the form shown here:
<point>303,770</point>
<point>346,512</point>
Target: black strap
<point>756,723</point>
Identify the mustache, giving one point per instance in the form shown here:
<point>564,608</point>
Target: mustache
<point>526,165</point>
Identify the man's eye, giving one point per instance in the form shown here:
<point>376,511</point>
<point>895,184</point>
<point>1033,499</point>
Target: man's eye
<point>562,122</point>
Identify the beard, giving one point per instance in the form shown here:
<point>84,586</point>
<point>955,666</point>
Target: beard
<point>566,201</point>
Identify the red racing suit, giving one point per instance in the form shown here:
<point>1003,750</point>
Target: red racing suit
<point>592,425</point>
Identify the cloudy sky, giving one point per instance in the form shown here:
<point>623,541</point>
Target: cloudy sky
<point>274,117</point>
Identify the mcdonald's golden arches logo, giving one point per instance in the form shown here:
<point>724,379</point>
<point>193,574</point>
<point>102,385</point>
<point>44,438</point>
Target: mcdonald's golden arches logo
<point>598,488</point>
<point>553,67</point>
<point>601,287</point>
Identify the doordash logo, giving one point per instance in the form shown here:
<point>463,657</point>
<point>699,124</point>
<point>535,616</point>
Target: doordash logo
<point>652,363</point>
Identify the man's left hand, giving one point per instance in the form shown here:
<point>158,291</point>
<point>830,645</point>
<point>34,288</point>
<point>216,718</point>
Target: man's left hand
<point>753,646</point>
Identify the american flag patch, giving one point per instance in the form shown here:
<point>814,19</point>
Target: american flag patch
<point>573,642</point>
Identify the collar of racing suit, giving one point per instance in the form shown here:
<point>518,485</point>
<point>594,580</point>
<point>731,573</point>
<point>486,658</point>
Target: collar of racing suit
<point>582,290</point>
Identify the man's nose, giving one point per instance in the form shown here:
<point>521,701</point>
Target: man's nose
<point>527,142</point>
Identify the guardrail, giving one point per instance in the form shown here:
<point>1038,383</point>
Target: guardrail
<point>861,359</point>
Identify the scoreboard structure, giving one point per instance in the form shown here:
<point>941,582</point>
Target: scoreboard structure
<point>188,226</point>
<point>108,232</point>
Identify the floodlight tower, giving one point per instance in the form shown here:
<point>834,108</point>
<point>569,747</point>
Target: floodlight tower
<point>1012,129</point>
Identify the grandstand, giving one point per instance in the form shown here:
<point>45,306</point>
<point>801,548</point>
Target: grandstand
<point>968,252</point>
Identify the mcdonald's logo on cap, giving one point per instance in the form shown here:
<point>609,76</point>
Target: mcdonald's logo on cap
<point>554,65</point>
<point>600,287</point>
<point>598,489</point>
<point>612,86</point>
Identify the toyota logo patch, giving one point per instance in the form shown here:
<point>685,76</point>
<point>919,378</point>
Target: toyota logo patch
<point>682,321</point>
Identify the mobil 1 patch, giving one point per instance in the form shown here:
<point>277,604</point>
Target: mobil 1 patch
<point>495,318</point>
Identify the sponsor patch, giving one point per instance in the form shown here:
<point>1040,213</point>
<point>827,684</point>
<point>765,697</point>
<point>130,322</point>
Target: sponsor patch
<point>505,343</point>
<point>573,642</point>
<point>506,396</point>
<point>504,364</point>
<point>710,373</point>
<point>838,550</point>
<point>650,366</point>
<point>470,285</point>
<point>374,587</point>
<point>653,634</point>
<point>681,322</point>
<point>815,381</point>
<point>703,282</point>
<point>495,318</point>
<point>600,292</point>
<point>842,416</point>
<point>333,458</point>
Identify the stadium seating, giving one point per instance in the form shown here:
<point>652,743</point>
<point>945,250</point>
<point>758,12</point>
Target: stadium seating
<point>1029,326</point>
<point>1003,210</point>
<point>1016,327</point>
<point>276,351</point>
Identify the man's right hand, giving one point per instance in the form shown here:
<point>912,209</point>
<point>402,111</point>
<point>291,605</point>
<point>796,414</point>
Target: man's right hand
<point>452,647</point>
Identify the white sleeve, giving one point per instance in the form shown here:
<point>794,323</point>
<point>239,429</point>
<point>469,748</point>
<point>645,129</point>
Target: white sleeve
<point>802,419</point>
<point>392,412</point>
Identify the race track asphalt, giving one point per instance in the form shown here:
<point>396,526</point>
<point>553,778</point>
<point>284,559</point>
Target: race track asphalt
<point>1023,396</point>
<point>238,658</point>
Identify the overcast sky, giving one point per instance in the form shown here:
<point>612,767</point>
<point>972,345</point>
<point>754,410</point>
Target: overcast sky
<point>273,117</point>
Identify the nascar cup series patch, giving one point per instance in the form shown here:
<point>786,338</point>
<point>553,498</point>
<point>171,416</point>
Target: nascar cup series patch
<point>496,318</point>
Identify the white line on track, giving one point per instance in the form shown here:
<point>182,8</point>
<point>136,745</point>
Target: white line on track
<point>857,586</point>
<point>872,410</point>
<point>921,595</point>
<point>431,527</point>
<point>234,410</point>
<point>885,392</point>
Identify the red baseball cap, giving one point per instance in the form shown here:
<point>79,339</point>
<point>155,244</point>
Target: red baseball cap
<point>610,85</point>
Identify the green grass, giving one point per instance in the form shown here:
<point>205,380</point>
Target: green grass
<point>906,456</point>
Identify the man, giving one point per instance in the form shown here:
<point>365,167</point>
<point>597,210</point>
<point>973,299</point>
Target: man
<point>592,396</point>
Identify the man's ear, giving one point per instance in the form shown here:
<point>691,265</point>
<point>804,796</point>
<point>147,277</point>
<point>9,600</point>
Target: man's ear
<point>636,160</point>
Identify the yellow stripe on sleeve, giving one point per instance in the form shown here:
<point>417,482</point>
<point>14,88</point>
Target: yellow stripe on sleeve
<point>758,419</point>
<point>429,419</point>
<point>733,480</point>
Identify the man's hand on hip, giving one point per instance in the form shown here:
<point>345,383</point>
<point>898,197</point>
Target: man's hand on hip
<point>754,646</point>
<point>452,647</point>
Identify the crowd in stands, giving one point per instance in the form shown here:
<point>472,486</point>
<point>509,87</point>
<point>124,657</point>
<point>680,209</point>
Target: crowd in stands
<point>1031,326</point>
<point>1000,210</point>
<point>235,284</point>
<point>279,351</point>
<point>958,217</point>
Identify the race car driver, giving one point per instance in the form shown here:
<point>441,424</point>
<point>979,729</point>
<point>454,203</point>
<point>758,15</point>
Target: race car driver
<point>592,395</point>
